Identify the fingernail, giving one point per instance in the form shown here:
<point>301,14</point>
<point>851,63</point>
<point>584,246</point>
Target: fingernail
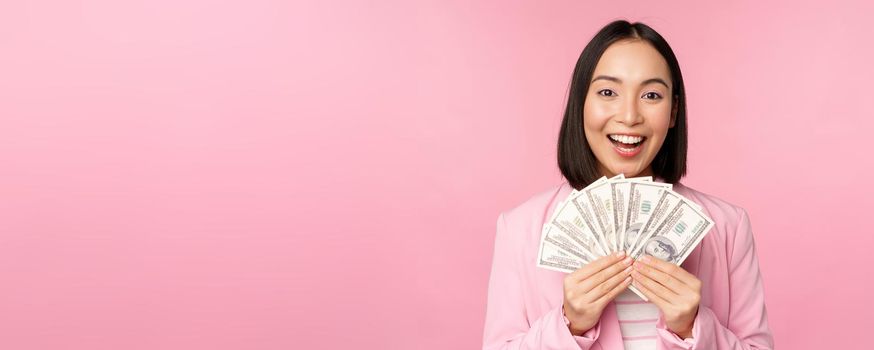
<point>627,279</point>
<point>627,270</point>
<point>620,254</point>
<point>627,261</point>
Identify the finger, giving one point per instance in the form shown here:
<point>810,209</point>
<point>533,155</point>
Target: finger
<point>653,298</point>
<point>602,276</point>
<point>653,286</point>
<point>662,278</point>
<point>669,268</point>
<point>596,266</point>
<point>609,285</point>
<point>621,286</point>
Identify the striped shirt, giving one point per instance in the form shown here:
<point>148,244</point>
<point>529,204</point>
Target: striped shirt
<point>637,321</point>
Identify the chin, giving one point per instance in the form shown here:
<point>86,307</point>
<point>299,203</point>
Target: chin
<point>628,171</point>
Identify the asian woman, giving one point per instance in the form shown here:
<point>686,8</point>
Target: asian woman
<point>626,114</point>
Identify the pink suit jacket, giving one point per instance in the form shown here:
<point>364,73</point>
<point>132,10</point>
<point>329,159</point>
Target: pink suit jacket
<point>525,302</point>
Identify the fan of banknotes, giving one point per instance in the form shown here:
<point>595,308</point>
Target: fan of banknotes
<point>635,215</point>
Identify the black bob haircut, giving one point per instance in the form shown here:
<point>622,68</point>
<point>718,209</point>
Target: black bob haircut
<point>575,159</point>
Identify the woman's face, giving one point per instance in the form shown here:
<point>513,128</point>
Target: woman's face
<point>629,108</point>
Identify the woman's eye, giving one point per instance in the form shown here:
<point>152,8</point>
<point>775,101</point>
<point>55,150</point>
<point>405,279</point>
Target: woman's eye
<point>652,96</point>
<point>607,93</point>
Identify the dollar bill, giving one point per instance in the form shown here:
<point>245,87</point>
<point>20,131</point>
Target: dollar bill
<point>569,233</point>
<point>677,234</point>
<point>666,202</point>
<point>642,198</point>
<point>552,257</point>
<point>600,201</point>
<point>572,235</point>
<point>620,190</point>
<point>573,220</point>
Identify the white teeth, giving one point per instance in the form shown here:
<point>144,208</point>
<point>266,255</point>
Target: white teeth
<point>626,139</point>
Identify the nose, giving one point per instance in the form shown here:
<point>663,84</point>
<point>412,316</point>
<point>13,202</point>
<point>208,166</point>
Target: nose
<point>630,112</point>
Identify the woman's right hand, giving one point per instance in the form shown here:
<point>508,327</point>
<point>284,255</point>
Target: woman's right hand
<point>588,290</point>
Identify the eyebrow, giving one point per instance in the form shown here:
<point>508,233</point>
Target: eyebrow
<point>619,81</point>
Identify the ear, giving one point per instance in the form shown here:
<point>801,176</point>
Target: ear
<point>674,110</point>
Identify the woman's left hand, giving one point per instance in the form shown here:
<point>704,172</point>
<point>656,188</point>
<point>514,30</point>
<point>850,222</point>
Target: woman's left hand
<point>674,290</point>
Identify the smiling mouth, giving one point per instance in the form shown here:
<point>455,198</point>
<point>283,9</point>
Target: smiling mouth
<point>626,145</point>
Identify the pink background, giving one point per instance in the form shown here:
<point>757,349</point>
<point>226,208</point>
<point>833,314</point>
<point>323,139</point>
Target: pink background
<point>273,175</point>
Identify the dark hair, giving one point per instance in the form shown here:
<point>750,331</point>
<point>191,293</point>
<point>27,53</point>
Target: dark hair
<point>575,159</point>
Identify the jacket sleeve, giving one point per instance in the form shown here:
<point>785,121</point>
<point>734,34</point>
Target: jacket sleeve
<point>747,326</point>
<point>507,326</point>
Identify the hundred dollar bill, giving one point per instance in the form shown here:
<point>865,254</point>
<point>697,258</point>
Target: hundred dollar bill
<point>619,191</point>
<point>574,220</point>
<point>665,203</point>
<point>642,197</point>
<point>554,258</point>
<point>677,234</point>
<point>667,200</point>
<point>571,240</point>
<point>600,201</point>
